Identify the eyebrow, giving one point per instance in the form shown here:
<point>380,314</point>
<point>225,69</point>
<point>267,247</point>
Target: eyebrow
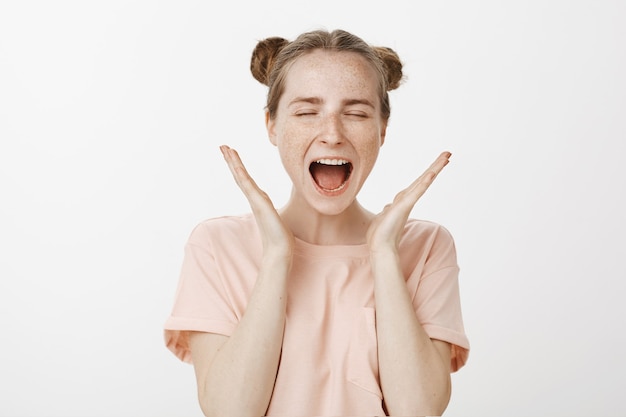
<point>318,100</point>
<point>310,100</point>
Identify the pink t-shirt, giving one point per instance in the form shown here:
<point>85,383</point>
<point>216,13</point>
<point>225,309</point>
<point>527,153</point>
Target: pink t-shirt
<point>329,362</point>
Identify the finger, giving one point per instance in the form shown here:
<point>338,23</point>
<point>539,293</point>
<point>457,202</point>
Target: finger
<point>240,174</point>
<point>243,179</point>
<point>437,166</point>
<point>418,187</point>
<point>434,169</point>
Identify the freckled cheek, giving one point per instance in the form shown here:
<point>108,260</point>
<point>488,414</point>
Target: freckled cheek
<point>368,158</point>
<point>292,151</point>
<point>368,147</point>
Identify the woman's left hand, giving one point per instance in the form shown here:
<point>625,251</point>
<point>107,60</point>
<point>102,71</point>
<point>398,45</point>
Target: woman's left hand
<point>386,229</point>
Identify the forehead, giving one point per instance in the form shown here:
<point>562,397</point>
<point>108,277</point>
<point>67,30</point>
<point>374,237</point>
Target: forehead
<point>320,71</point>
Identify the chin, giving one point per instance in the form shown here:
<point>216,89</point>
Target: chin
<point>332,206</point>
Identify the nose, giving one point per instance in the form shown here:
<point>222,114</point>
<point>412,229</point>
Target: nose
<point>332,131</point>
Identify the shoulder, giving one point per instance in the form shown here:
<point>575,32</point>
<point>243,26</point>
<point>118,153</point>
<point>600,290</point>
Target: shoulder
<point>426,230</point>
<point>429,239</point>
<point>224,228</point>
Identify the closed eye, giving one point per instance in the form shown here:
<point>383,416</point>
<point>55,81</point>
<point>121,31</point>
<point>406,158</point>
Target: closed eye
<point>306,113</point>
<point>357,114</point>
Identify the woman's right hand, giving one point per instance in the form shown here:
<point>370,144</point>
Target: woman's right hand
<point>245,363</point>
<point>276,237</point>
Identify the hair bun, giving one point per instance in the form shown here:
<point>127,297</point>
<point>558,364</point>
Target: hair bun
<point>264,56</point>
<point>393,66</point>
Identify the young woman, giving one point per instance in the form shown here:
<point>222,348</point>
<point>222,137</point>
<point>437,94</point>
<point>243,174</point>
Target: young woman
<point>321,307</point>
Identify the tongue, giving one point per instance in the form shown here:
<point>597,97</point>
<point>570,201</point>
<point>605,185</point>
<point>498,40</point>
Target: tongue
<point>329,177</point>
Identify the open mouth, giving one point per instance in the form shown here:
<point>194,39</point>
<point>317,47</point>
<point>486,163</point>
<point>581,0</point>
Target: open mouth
<point>331,174</point>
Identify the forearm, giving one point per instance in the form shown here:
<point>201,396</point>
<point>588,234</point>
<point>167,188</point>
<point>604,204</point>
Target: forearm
<point>240,378</point>
<point>415,379</point>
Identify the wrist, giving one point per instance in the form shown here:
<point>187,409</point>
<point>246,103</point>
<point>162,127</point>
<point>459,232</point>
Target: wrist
<point>383,251</point>
<point>276,258</point>
<point>385,255</point>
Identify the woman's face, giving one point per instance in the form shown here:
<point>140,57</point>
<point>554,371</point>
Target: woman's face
<point>328,127</point>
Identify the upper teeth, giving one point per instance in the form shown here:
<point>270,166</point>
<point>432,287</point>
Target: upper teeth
<point>332,161</point>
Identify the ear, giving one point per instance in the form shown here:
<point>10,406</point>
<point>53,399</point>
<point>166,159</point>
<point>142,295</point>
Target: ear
<point>383,133</point>
<point>270,125</point>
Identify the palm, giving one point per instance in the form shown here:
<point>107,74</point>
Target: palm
<point>277,238</point>
<point>386,229</point>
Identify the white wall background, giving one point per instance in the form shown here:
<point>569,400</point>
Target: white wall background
<point>111,114</point>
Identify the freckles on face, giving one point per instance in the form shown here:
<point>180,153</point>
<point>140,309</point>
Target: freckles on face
<point>330,108</point>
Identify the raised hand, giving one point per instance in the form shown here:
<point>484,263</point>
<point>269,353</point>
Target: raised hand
<point>277,238</point>
<point>386,229</point>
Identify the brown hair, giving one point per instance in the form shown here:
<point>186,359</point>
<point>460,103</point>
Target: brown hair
<point>272,58</point>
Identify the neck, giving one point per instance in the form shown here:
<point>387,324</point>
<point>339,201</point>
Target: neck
<point>346,228</point>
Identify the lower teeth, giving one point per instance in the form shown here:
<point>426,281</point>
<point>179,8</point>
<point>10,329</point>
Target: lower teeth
<point>335,189</point>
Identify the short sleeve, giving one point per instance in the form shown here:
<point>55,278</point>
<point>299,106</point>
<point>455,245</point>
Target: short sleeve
<point>202,301</point>
<point>437,299</point>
